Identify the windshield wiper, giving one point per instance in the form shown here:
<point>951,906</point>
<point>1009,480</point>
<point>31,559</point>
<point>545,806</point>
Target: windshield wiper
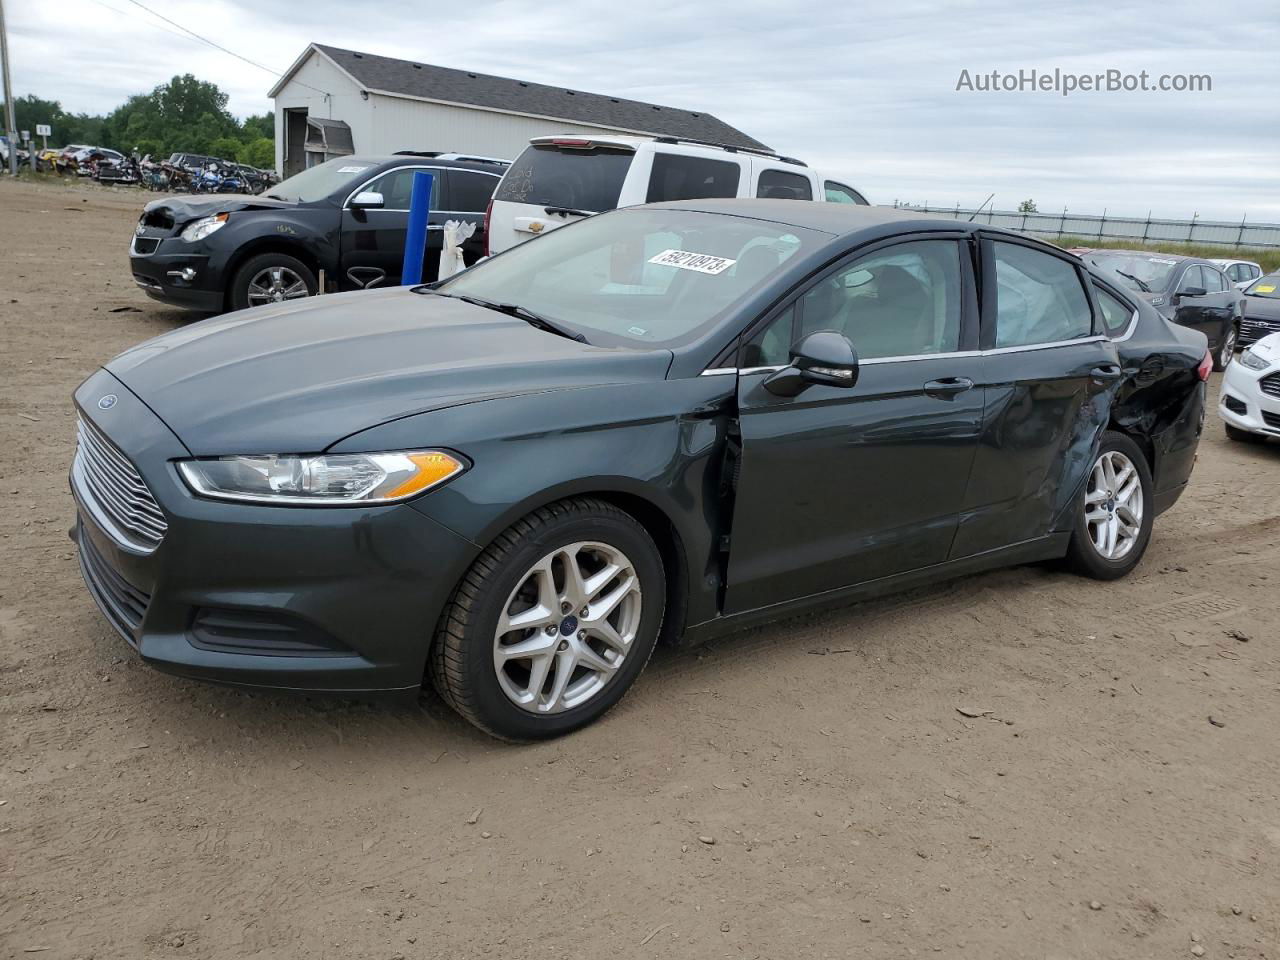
<point>1140,283</point>
<point>521,313</point>
<point>565,211</point>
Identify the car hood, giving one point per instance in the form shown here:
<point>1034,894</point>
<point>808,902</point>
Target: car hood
<point>1262,307</point>
<point>298,377</point>
<point>1268,348</point>
<point>186,209</point>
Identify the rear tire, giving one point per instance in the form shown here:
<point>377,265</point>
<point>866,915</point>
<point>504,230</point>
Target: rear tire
<point>1227,350</point>
<point>570,674</point>
<point>254,282</point>
<point>1113,519</point>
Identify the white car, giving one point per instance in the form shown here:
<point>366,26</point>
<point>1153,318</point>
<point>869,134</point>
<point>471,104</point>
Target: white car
<point>1250,401</point>
<point>1239,272</point>
<point>561,179</point>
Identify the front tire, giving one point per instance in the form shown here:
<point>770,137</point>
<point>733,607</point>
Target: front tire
<point>271,278</point>
<point>552,623</point>
<point>1116,512</point>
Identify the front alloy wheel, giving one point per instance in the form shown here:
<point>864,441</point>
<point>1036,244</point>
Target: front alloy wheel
<point>1227,352</point>
<point>553,621</point>
<point>567,628</point>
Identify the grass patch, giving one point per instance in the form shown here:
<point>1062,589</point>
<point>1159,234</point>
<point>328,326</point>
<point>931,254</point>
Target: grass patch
<point>1267,257</point>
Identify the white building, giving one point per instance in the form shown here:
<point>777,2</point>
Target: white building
<point>333,102</point>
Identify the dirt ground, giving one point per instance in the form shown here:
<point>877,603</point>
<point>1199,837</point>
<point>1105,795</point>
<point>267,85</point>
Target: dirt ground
<point>1096,811</point>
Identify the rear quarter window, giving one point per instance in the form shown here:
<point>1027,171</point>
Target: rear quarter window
<point>580,179</point>
<point>781,185</point>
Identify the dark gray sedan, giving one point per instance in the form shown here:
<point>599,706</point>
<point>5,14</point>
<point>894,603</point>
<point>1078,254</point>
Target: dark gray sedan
<point>1187,290</point>
<point>1261,309</point>
<point>660,422</point>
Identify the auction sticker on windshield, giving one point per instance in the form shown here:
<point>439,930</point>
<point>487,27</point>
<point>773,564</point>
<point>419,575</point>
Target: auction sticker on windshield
<point>699,262</point>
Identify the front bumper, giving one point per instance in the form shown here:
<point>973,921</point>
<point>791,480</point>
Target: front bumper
<point>1243,404</point>
<point>177,273</point>
<point>337,600</point>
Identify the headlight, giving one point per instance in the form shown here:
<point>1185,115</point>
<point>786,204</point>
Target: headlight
<point>340,478</point>
<point>1253,361</point>
<point>199,229</point>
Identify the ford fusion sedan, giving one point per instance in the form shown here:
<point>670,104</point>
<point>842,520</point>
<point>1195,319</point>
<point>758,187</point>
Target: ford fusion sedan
<point>662,422</point>
<point>343,221</point>
<point>1191,292</point>
<point>1250,400</point>
<point>1261,309</point>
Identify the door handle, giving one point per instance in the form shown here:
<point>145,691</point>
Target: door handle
<point>1106,372</point>
<point>947,387</point>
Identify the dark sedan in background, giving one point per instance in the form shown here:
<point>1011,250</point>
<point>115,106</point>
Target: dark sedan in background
<point>1187,290</point>
<point>1261,309</point>
<point>346,217</point>
<point>677,419</point>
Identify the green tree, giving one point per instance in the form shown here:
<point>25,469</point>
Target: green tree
<point>1027,206</point>
<point>257,127</point>
<point>226,148</point>
<point>183,114</point>
<point>261,153</point>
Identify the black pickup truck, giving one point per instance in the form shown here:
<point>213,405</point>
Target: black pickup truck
<point>346,217</point>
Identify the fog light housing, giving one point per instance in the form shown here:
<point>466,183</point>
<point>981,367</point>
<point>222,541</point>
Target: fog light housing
<point>186,274</point>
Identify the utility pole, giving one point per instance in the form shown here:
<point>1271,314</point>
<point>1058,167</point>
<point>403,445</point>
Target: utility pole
<point>10,121</point>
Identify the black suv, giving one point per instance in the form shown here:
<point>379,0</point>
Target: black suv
<point>344,220</point>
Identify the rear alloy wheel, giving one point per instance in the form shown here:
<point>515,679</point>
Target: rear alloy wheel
<point>1113,525</point>
<point>552,623</point>
<point>1227,352</point>
<point>271,278</point>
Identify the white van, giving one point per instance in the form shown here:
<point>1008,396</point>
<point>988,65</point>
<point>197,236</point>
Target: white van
<point>561,179</point>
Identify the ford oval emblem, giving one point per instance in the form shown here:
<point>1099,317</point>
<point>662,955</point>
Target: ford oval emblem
<point>107,402</point>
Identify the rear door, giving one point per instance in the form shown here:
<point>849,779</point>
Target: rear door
<point>1195,306</point>
<point>469,194</point>
<point>556,181</point>
<point>373,240</point>
<point>841,485</point>
<point>1049,372</point>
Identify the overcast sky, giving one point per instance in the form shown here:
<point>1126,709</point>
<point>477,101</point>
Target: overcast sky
<point>866,91</point>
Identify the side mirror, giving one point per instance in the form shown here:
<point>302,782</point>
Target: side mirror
<point>1191,292</point>
<point>368,200</point>
<point>825,358</point>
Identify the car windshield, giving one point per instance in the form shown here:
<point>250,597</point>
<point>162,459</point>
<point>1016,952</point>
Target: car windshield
<point>1140,271</point>
<point>321,180</point>
<point>652,277</point>
<point>1267,287</point>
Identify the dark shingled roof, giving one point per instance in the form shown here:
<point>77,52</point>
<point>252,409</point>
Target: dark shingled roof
<point>501,93</point>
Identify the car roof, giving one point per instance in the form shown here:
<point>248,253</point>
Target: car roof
<point>1156,254</point>
<point>837,219</point>
<point>409,159</point>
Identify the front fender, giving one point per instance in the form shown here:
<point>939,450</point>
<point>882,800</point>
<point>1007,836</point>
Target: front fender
<point>662,443</point>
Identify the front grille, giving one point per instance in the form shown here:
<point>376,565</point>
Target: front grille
<point>1253,329</point>
<point>105,478</point>
<point>1271,385</point>
<point>1271,419</point>
<point>145,246</point>
<point>122,603</point>
<point>1234,404</point>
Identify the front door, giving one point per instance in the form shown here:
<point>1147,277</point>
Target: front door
<point>373,240</point>
<point>841,485</point>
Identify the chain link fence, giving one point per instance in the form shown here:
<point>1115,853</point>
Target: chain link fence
<point>1195,230</point>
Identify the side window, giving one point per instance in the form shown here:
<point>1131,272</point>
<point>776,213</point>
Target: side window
<point>1191,278</point>
<point>900,301</point>
<point>1237,272</point>
<point>839,193</point>
<point>1252,272</point>
<point>1039,298</point>
<point>781,185</point>
<point>396,187</point>
<point>469,192</point>
<point>1213,280</point>
<point>1116,314</point>
<point>678,177</point>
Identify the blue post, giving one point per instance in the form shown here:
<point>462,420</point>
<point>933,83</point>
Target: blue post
<point>415,242</point>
